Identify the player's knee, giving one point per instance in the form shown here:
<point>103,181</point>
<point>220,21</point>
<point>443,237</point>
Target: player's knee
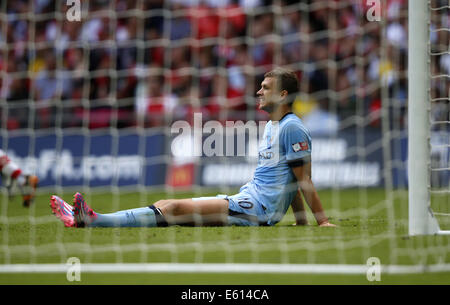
<point>161,203</point>
<point>169,206</point>
<point>176,207</point>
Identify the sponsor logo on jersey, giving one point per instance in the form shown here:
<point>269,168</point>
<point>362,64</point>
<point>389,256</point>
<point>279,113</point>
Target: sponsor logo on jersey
<point>266,155</point>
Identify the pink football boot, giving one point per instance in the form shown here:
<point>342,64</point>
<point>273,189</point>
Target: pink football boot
<point>62,210</point>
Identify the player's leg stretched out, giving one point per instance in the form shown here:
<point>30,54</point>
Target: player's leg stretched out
<point>82,215</point>
<point>86,217</point>
<point>204,211</point>
<point>213,211</point>
<point>13,175</point>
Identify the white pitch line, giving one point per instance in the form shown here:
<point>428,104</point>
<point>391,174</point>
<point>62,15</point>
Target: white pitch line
<point>222,268</point>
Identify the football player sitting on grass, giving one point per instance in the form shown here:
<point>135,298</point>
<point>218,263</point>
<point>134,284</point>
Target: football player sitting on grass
<point>282,176</point>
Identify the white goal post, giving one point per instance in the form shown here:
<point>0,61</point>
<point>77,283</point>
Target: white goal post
<point>421,218</point>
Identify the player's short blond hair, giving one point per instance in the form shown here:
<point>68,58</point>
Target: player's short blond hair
<point>286,80</point>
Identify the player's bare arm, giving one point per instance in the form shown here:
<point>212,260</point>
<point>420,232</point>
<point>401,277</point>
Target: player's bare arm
<point>298,208</point>
<point>303,175</point>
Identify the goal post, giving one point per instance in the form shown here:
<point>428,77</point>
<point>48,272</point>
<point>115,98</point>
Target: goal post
<point>421,218</point>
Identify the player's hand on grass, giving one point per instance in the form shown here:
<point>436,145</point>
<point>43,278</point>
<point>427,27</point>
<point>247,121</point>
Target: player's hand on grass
<point>326,224</point>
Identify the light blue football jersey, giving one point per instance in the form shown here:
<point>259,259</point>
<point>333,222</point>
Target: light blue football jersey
<point>274,185</point>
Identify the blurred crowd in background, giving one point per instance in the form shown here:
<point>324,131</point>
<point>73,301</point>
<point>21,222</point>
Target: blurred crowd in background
<point>148,63</point>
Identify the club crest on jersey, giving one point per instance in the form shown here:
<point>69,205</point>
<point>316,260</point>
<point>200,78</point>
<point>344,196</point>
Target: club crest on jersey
<point>300,146</point>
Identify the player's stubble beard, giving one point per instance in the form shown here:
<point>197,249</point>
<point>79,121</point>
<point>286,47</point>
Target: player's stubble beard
<point>269,107</point>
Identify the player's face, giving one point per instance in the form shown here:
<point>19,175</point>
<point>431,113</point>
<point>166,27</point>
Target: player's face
<point>269,96</point>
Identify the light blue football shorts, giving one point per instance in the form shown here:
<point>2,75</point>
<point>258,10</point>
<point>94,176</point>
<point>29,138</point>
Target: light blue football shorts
<point>242,210</point>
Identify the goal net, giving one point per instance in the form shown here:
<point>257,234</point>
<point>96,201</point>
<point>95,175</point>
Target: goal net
<point>92,92</point>
<point>428,102</point>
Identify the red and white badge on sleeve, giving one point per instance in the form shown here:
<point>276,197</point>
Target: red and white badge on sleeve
<point>300,146</point>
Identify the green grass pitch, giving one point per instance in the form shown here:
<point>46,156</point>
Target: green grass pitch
<point>370,223</point>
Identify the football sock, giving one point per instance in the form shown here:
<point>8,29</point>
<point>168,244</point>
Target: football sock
<point>140,217</point>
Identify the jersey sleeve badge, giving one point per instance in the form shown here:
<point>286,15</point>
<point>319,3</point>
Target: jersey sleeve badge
<point>300,146</point>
